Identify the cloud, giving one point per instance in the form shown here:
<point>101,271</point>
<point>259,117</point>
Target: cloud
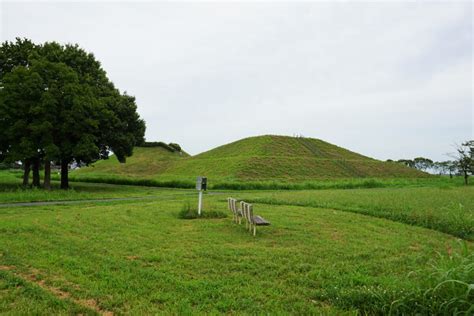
<point>388,80</point>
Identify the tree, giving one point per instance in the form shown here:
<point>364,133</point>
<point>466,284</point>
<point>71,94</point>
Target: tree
<point>422,164</point>
<point>407,162</point>
<point>464,159</point>
<point>21,92</point>
<point>60,106</point>
<point>12,55</point>
<point>452,168</point>
<point>470,144</point>
<point>445,167</point>
<point>92,117</point>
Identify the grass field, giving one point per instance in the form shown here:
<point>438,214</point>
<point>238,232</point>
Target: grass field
<point>129,257</point>
<point>11,191</point>
<point>447,209</point>
<point>319,256</point>
<point>263,162</point>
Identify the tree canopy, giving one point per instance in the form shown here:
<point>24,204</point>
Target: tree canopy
<point>465,159</point>
<point>57,104</point>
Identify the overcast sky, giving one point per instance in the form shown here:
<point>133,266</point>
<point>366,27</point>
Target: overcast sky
<point>388,80</point>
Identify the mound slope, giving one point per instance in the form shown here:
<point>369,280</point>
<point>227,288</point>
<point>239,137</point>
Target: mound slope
<point>146,162</point>
<point>259,158</point>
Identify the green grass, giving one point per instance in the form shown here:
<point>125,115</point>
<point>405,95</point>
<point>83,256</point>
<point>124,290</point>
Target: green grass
<point>447,209</point>
<point>137,257</point>
<point>20,297</point>
<point>216,184</point>
<point>11,191</point>
<point>265,160</point>
<point>327,251</point>
<point>144,162</point>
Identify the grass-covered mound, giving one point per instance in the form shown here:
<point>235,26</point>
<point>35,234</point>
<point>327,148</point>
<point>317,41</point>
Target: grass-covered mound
<point>254,160</point>
<point>146,162</point>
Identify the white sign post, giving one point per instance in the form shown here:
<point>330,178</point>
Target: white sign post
<point>201,185</point>
<point>200,202</point>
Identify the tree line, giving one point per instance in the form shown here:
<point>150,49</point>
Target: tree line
<point>462,163</point>
<point>57,106</point>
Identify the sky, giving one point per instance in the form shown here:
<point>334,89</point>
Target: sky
<point>386,79</point>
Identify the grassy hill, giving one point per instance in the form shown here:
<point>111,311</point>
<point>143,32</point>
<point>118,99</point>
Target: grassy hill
<point>146,162</point>
<point>262,158</point>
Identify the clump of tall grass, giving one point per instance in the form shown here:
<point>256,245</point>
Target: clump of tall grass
<point>237,185</point>
<point>305,185</point>
<point>319,184</point>
<point>188,212</point>
<point>184,184</point>
<point>448,289</point>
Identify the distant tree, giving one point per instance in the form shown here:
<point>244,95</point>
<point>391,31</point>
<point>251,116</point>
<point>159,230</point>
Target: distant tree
<point>175,146</point>
<point>445,167</point>
<point>407,162</point>
<point>422,164</point>
<point>172,147</point>
<point>452,168</point>
<point>470,144</point>
<point>439,167</point>
<point>464,159</point>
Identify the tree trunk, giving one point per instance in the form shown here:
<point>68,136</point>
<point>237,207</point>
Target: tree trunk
<point>36,175</point>
<point>450,175</point>
<point>465,178</point>
<point>47,175</point>
<point>64,174</point>
<point>26,173</point>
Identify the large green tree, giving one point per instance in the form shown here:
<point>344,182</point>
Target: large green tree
<point>21,92</point>
<point>70,111</point>
<point>95,118</point>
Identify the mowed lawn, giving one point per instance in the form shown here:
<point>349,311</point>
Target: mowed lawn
<point>137,257</point>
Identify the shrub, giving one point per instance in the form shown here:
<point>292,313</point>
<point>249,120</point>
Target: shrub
<point>188,212</point>
<point>173,147</point>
